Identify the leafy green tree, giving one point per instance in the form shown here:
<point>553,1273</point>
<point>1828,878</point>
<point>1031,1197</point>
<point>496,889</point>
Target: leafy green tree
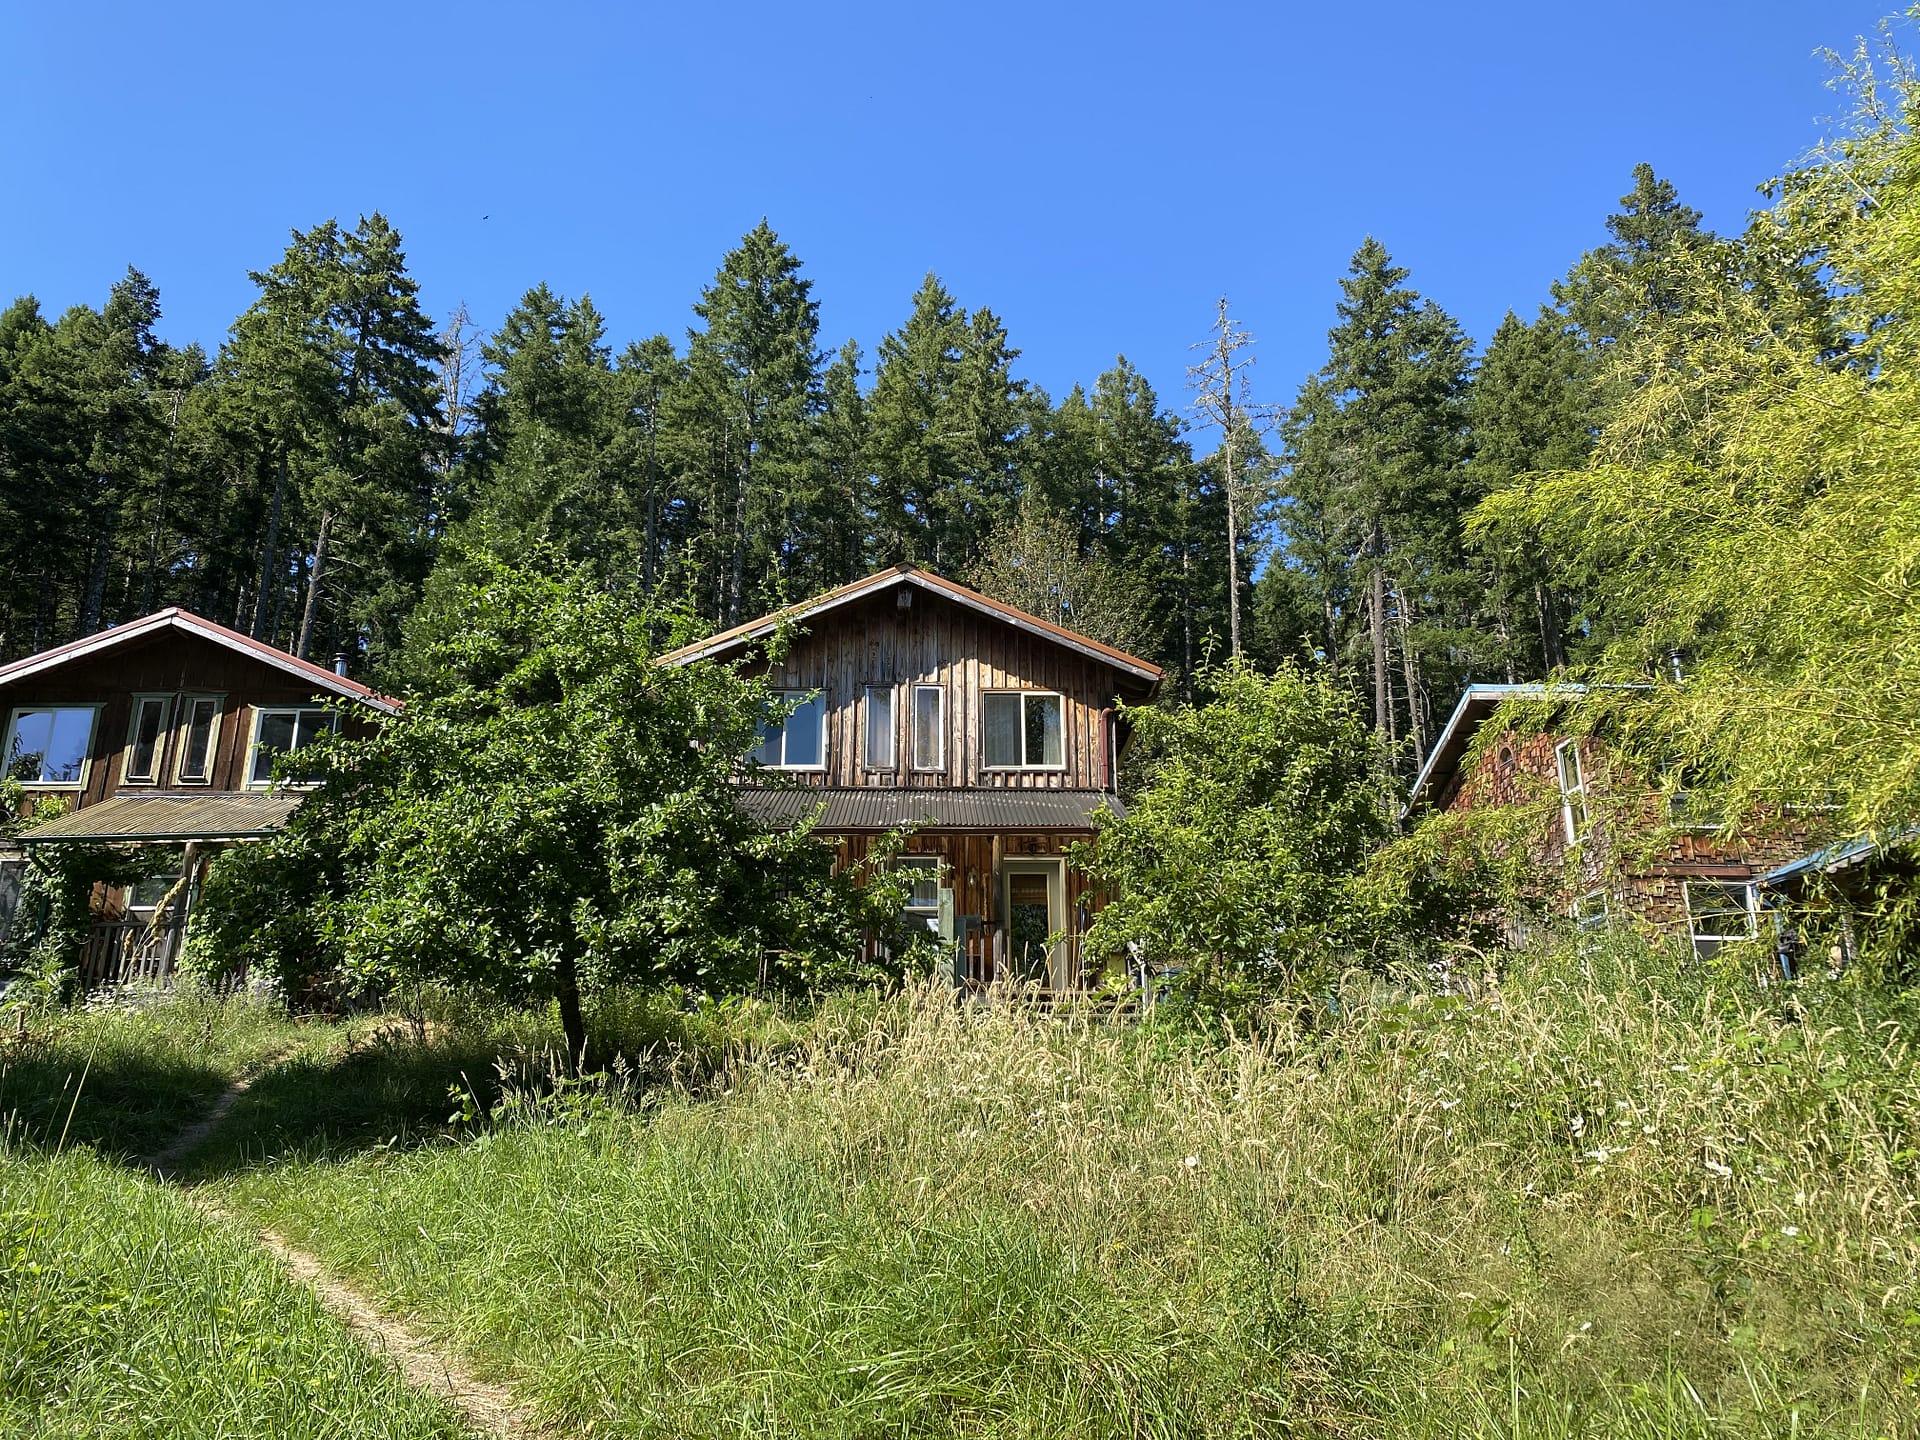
<point>553,814</point>
<point>1239,859</point>
<point>1035,562</point>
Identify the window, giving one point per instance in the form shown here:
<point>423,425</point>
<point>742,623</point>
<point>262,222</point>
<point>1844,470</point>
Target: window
<point>1022,730</point>
<point>1689,810</point>
<point>1719,911</point>
<point>144,738</point>
<point>796,737</point>
<point>1573,790</point>
<point>282,732</point>
<point>923,901</point>
<point>202,734</point>
<point>1590,919</point>
<point>879,727</point>
<point>929,727</point>
<point>48,745</point>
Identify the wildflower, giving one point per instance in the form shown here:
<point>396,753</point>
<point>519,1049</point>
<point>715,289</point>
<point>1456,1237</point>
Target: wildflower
<point>1192,1162</point>
<point>1790,1231</point>
<point>1649,1129</point>
<point>1714,1167</point>
<point>1578,1125</point>
<point>1599,1157</point>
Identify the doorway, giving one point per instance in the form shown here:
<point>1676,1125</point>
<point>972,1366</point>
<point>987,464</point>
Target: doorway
<point>1036,910</point>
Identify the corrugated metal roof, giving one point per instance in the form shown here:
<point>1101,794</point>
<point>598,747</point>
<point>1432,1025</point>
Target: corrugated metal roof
<point>163,819</point>
<point>880,808</point>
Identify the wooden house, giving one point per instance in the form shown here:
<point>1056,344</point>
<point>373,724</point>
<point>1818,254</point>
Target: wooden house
<point>1613,849</point>
<point>916,702</point>
<point>157,738</point>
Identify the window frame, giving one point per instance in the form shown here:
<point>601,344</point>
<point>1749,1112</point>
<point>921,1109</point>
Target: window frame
<point>1023,696</point>
<point>867,762</point>
<point>162,735</point>
<point>793,699</point>
<point>260,713</point>
<point>86,754</point>
<point>1714,939</point>
<point>183,726</point>
<point>930,863</point>
<point>1576,831</point>
<point>939,765</point>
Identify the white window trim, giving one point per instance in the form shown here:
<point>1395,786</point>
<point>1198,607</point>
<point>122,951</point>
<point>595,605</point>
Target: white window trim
<point>161,738</point>
<point>1574,833</point>
<point>1024,696</point>
<point>920,862</point>
<point>1695,935</point>
<point>866,727</point>
<point>789,697</point>
<point>86,760</point>
<point>940,732</point>
<point>260,712</point>
<point>183,735</point>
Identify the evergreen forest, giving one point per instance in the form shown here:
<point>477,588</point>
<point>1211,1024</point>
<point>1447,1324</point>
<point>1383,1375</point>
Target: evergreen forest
<point>344,460</point>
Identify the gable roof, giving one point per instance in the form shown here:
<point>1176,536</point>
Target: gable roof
<point>1477,702</point>
<point>743,635</point>
<point>178,619</point>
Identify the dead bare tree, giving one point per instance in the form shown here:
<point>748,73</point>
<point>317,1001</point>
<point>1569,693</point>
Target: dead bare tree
<point>1222,398</point>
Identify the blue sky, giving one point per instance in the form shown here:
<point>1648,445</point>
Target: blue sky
<point>1095,174</point>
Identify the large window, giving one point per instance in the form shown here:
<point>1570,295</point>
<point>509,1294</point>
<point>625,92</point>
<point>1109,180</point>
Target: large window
<point>145,737</point>
<point>929,727</point>
<point>283,732</point>
<point>1573,790</point>
<point>202,716</point>
<point>48,745</point>
<point>794,737</point>
<point>1590,919</point>
<point>879,751</point>
<point>1719,911</point>
<point>1022,730</point>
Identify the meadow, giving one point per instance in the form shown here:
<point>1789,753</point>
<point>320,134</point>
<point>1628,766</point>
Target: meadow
<point>1611,1197</point>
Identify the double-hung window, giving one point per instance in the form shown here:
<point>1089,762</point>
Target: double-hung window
<point>794,736</point>
<point>146,738</point>
<point>47,745</point>
<point>1022,730</point>
<point>880,738</point>
<point>923,899</point>
<point>283,732</point>
<point>929,727</point>
<point>1718,912</point>
<point>200,716</point>
<point>1573,790</point>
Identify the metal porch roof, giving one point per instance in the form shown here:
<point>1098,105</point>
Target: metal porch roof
<point>169,819</point>
<point>878,808</point>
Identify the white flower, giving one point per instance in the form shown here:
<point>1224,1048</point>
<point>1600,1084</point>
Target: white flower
<point>1714,1167</point>
<point>1598,1156</point>
<point>1790,1231</point>
<point>1192,1162</point>
<point>1649,1129</point>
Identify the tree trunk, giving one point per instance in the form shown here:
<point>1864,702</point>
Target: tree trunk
<point>1382,707</point>
<point>1233,544</point>
<point>573,1024</point>
<point>271,550</point>
<point>1415,724</point>
<point>313,584</point>
<point>1551,650</point>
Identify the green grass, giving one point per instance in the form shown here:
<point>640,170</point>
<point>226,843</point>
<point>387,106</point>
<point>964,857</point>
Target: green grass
<point>1642,1204</point>
<point>123,1312</point>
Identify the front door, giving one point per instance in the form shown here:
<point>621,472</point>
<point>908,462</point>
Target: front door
<point>1035,911</point>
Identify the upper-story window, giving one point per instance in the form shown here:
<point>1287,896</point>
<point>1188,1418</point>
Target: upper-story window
<point>1022,730</point>
<point>146,736</point>
<point>880,738</point>
<point>48,744</point>
<point>795,737</point>
<point>283,732</point>
<point>1573,790</point>
<point>201,714</point>
<point>929,727</point>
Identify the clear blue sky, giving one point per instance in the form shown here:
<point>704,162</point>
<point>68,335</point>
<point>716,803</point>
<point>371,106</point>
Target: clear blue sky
<point>1096,174</point>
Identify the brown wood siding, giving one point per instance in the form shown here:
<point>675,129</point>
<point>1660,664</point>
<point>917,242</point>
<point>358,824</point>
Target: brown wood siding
<point>965,653</point>
<point>169,662</point>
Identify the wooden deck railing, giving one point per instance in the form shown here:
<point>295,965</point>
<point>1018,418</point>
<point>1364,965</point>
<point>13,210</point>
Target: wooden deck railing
<point>129,951</point>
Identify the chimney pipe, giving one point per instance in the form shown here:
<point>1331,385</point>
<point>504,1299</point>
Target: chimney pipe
<point>340,664</point>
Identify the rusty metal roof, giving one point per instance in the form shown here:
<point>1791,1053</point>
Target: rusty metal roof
<point>879,808</point>
<point>170,819</point>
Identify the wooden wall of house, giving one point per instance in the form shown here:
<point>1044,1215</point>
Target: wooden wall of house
<point>966,653</point>
<point>167,662</point>
<point>1633,854</point>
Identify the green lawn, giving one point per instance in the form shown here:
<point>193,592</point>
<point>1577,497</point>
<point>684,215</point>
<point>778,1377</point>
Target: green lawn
<point>1635,1206</point>
<point>123,1311</point>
